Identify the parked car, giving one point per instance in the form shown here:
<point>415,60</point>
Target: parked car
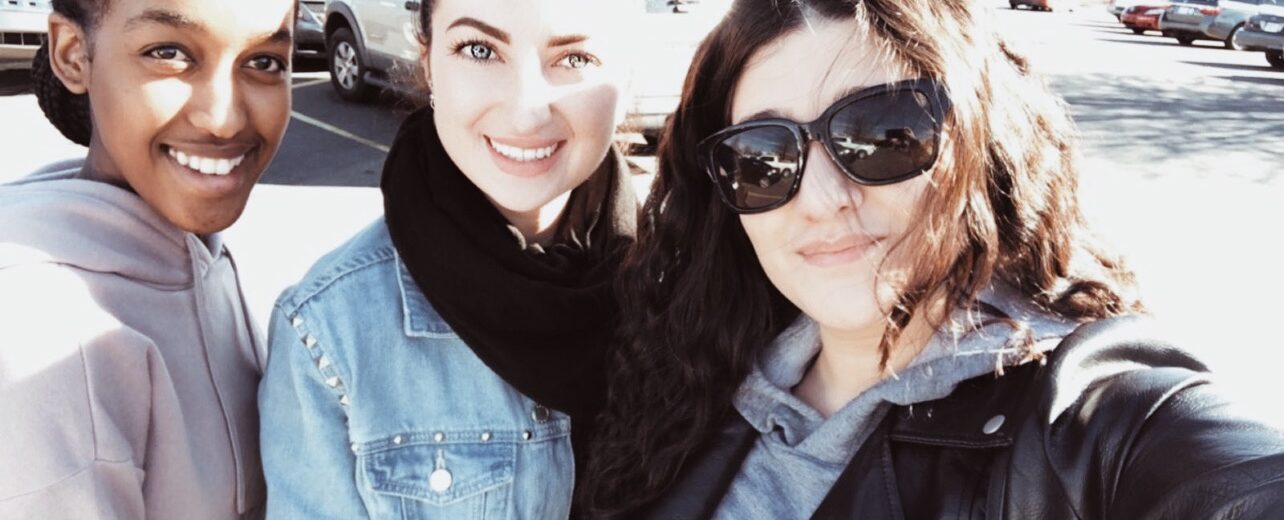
<point>1117,7</point>
<point>1185,19</point>
<point>1233,14</point>
<point>23,28</point>
<point>1264,32</point>
<point>309,33</point>
<point>1046,5</point>
<point>1142,17</point>
<point>371,45</point>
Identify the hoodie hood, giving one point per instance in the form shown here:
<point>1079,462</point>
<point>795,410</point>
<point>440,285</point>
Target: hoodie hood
<point>52,216</point>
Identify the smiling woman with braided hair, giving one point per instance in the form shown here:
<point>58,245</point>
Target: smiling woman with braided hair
<point>128,362</point>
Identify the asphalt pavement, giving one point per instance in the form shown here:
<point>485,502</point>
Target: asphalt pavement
<point>1183,155</point>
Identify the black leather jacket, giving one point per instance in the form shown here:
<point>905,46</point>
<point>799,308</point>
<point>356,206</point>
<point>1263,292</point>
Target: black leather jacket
<point>1116,424</point>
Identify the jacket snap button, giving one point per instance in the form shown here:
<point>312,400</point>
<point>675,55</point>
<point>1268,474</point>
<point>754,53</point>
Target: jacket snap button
<point>993,424</point>
<point>438,437</point>
<point>540,414</point>
<point>440,480</point>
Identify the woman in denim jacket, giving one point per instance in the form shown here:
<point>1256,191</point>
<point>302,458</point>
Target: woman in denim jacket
<point>434,365</point>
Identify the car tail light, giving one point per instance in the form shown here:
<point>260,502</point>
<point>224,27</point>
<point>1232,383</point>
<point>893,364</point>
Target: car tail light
<point>1210,11</point>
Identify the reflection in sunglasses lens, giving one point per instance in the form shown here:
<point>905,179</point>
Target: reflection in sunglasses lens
<point>756,168</point>
<point>884,137</point>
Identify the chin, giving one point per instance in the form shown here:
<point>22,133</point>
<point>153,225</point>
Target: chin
<point>208,223</point>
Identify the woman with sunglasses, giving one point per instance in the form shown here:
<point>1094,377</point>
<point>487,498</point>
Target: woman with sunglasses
<point>862,288</point>
<point>129,364</point>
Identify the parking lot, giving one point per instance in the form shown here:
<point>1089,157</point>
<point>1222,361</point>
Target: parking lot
<point>1183,171</point>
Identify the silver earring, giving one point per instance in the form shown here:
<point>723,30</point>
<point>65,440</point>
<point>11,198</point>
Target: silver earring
<point>432,101</point>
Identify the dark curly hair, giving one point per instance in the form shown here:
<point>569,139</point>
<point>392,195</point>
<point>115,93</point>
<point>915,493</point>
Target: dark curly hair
<point>697,305</point>
<point>68,112</point>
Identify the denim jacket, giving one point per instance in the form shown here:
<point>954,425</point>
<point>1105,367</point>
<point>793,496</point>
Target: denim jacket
<point>372,407</point>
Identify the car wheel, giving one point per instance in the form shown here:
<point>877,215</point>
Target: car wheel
<point>347,68</point>
<point>1137,30</point>
<point>1185,41</point>
<point>1275,58</point>
<point>1013,5</point>
<point>1230,39</point>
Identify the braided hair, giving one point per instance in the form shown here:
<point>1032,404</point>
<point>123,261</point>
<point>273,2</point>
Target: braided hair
<point>68,112</point>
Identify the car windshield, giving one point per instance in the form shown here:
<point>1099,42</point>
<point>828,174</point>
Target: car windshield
<point>1198,2</point>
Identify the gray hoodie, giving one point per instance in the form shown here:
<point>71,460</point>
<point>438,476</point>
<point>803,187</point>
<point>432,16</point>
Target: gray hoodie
<point>128,362</point>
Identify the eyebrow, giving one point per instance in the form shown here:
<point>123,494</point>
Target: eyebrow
<point>491,30</point>
<point>180,21</point>
<point>559,41</point>
<point>772,113</point>
<point>164,17</point>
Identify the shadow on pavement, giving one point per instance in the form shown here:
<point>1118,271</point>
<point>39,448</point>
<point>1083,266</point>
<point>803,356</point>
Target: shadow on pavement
<point>1145,121</point>
<point>1159,43</point>
<point>1260,81</point>
<point>15,82</point>
<point>1232,66</point>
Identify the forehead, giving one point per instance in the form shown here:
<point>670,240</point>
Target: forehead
<point>595,19</point>
<point>225,18</point>
<point>803,72</point>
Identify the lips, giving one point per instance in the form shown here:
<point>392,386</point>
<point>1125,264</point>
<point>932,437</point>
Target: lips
<point>837,250</point>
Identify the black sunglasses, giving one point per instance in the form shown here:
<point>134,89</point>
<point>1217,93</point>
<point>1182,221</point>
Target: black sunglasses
<point>878,135</point>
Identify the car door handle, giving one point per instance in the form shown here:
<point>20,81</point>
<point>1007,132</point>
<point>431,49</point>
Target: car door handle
<point>412,5</point>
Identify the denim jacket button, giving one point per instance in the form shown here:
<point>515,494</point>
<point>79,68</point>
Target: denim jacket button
<point>438,437</point>
<point>485,436</point>
<point>540,414</point>
<point>396,440</point>
<point>440,480</point>
<point>526,435</point>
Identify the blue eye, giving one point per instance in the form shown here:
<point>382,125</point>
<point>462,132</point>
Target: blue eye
<point>479,51</point>
<point>578,61</point>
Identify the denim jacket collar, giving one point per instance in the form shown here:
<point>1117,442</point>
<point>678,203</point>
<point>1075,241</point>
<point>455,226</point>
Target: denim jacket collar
<point>419,318</point>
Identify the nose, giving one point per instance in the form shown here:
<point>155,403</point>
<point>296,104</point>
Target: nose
<point>532,105</point>
<point>217,107</point>
<point>825,189</point>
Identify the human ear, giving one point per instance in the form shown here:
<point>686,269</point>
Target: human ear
<point>69,53</point>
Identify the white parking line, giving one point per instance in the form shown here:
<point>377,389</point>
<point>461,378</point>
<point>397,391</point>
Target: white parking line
<point>310,82</point>
<point>339,131</point>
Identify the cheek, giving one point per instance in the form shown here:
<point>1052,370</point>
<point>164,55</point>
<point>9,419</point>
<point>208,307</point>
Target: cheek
<point>269,108</point>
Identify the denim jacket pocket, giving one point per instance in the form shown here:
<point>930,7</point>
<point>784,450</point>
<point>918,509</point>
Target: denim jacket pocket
<point>445,474</point>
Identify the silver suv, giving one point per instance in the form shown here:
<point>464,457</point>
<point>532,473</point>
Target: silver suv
<point>23,28</point>
<point>370,44</point>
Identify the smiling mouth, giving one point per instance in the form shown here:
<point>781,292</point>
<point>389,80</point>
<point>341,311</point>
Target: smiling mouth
<point>522,154</point>
<point>206,165</point>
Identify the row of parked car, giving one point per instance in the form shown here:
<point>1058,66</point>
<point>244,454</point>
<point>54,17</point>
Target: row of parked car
<point>1245,25</point>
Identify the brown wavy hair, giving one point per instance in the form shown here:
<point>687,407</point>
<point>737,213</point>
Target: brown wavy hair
<point>698,307</point>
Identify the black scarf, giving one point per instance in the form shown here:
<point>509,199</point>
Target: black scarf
<point>540,320</point>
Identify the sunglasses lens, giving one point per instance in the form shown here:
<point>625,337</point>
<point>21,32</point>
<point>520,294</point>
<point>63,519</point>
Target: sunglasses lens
<point>755,168</point>
<point>885,138</point>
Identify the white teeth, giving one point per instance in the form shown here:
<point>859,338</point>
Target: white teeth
<point>522,154</point>
<point>206,165</point>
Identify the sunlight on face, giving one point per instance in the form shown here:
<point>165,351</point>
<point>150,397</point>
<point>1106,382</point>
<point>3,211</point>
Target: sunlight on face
<point>527,94</point>
<point>191,99</point>
<point>823,250</point>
